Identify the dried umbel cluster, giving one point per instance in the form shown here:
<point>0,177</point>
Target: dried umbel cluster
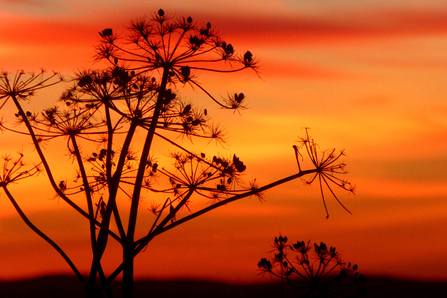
<point>14,169</point>
<point>328,165</point>
<point>178,45</point>
<point>313,269</point>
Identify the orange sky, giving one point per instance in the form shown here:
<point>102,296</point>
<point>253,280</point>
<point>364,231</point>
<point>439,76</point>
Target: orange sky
<point>366,76</point>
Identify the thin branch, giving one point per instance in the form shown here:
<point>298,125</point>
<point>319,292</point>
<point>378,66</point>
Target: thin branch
<point>43,236</point>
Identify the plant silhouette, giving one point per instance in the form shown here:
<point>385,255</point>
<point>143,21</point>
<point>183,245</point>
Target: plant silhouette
<point>314,271</point>
<point>103,113</point>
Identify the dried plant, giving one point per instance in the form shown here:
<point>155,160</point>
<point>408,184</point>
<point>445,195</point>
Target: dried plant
<point>102,116</point>
<point>314,271</point>
<point>329,167</point>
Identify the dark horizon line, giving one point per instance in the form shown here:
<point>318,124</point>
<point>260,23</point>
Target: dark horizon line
<point>217,280</point>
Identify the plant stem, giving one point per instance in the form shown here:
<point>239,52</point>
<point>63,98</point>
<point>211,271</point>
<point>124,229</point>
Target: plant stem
<point>42,235</point>
<point>129,243</point>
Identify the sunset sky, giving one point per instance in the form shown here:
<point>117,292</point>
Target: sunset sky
<point>366,76</point>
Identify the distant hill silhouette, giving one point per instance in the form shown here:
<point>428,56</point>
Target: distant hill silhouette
<point>69,286</point>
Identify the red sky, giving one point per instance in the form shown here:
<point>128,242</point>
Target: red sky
<point>366,76</point>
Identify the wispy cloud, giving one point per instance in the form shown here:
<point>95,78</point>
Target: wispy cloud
<point>22,2</point>
<point>351,25</point>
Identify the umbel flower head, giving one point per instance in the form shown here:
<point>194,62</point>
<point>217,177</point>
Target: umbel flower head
<point>15,169</point>
<point>313,269</point>
<point>328,167</point>
<point>22,85</point>
<point>213,178</point>
<point>179,47</point>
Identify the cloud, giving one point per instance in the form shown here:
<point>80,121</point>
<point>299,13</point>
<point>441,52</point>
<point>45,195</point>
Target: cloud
<point>258,29</point>
<point>24,31</point>
<point>299,29</point>
<point>426,169</point>
<point>289,69</point>
<point>261,27</point>
<point>32,43</point>
<point>26,2</point>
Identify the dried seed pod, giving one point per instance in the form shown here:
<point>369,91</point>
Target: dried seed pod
<point>185,71</point>
<point>187,109</point>
<point>248,57</point>
<point>106,32</point>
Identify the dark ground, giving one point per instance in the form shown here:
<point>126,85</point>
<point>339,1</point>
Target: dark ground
<point>68,286</point>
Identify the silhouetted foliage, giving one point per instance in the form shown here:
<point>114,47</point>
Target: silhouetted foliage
<point>315,271</point>
<point>99,116</point>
